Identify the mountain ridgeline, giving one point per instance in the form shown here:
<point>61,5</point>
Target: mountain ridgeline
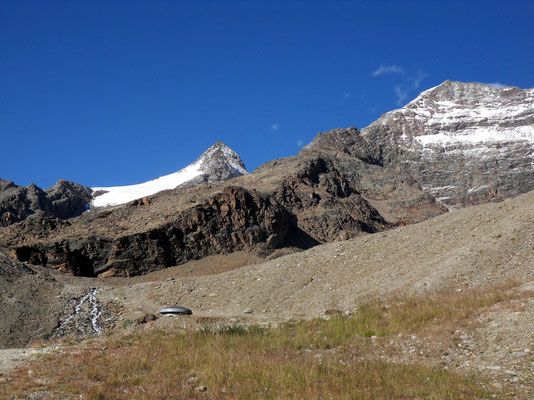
<point>63,200</point>
<point>456,144</point>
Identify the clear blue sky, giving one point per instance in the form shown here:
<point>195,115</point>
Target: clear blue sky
<point>118,92</point>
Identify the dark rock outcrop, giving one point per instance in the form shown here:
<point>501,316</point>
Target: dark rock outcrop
<point>17,203</point>
<point>339,196</point>
<point>68,199</point>
<point>233,220</point>
<point>63,200</point>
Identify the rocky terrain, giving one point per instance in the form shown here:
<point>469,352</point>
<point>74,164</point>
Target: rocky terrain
<point>355,217</point>
<point>344,185</point>
<point>465,143</point>
<point>455,144</point>
<point>297,202</point>
<point>32,301</point>
<point>63,200</point>
<point>473,247</point>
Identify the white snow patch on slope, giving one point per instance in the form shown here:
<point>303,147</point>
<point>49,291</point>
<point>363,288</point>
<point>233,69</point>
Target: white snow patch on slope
<point>480,135</point>
<point>123,194</point>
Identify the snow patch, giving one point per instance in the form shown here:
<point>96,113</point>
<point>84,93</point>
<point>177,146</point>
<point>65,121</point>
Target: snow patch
<point>123,194</point>
<point>480,135</point>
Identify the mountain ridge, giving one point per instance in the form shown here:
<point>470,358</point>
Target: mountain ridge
<point>297,201</point>
<point>63,200</point>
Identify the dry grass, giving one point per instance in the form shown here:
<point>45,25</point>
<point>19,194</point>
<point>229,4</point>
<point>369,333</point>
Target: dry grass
<point>315,359</point>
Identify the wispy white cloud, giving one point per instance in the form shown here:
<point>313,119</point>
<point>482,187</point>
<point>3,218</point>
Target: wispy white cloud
<point>274,127</point>
<point>496,85</point>
<point>401,91</point>
<point>410,84</point>
<point>387,69</point>
<point>300,142</point>
<point>346,96</point>
<point>416,82</point>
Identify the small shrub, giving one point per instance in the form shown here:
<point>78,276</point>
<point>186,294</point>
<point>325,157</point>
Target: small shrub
<point>233,330</point>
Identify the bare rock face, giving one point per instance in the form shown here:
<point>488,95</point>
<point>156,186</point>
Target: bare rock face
<point>63,200</point>
<point>17,203</point>
<point>466,143</point>
<point>337,197</point>
<point>233,220</point>
<point>68,199</point>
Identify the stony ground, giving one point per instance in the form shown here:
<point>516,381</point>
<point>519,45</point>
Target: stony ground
<point>472,247</point>
<point>497,345</point>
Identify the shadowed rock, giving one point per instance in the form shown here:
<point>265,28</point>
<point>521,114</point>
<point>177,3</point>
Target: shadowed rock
<point>63,200</point>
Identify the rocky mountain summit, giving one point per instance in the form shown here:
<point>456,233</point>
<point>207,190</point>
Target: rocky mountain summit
<point>217,164</point>
<point>465,143</point>
<point>63,200</point>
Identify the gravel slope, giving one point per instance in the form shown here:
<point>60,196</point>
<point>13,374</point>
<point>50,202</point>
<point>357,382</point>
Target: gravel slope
<point>470,247</point>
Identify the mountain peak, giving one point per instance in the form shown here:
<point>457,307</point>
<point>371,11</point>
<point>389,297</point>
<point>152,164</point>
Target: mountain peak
<point>218,163</point>
<point>451,132</point>
<point>471,92</point>
<point>219,155</point>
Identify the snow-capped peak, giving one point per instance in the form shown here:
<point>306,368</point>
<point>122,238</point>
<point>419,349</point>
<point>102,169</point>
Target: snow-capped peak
<point>221,153</point>
<point>459,113</point>
<point>464,142</point>
<point>467,92</point>
<point>216,164</point>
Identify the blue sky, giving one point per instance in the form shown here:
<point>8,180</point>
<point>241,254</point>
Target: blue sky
<point>119,92</point>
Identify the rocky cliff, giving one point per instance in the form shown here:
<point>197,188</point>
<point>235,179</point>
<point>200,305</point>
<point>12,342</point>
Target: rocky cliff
<point>466,143</point>
<point>232,220</point>
<point>63,200</point>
